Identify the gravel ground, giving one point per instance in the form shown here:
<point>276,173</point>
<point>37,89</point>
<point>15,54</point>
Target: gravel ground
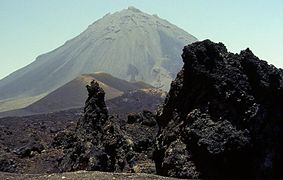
<point>82,175</point>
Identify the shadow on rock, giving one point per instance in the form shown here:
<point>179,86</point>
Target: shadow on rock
<point>222,117</point>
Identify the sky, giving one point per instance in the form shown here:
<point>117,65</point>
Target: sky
<point>29,28</point>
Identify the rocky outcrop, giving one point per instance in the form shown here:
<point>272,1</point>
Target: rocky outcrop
<point>106,143</point>
<point>222,117</point>
<point>84,147</point>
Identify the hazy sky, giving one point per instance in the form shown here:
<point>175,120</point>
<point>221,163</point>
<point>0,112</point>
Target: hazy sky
<point>32,27</point>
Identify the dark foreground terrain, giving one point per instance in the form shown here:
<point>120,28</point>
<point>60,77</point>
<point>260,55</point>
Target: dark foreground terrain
<point>27,143</point>
<point>222,119</point>
<point>83,175</point>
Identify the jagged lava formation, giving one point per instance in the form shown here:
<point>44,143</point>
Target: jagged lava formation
<point>107,143</point>
<point>222,118</point>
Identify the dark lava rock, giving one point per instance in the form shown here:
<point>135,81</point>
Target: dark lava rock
<point>146,118</point>
<point>222,118</point>
<point>106,143</point>
<point>133,118</point>
<point>7,165</point>
<point>29,149</point>
<point>83,148</point>
<point>64,139</point>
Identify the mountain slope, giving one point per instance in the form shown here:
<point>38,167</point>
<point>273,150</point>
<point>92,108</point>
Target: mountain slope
<point>73,94</point>
<point>129,44</point>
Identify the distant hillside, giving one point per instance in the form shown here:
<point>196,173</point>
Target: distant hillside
<point>136,101</point>
<point>119,84</point>
<point>73,94</point>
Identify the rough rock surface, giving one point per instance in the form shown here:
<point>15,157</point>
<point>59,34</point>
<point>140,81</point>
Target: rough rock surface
<point>222,118</point>
<point>7,165</point>
<point>108,143</point>
<point>25,142</point>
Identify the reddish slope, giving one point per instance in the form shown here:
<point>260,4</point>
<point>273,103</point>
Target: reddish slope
<point>73,94</point>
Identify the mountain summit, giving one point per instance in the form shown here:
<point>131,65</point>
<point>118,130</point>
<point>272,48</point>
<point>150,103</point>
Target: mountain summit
<point>129,44</point>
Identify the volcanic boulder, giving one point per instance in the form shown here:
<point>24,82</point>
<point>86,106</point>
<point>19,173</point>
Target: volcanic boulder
<point>222,117</point>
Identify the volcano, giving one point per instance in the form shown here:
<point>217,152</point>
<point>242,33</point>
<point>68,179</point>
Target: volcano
<point>129,44</point>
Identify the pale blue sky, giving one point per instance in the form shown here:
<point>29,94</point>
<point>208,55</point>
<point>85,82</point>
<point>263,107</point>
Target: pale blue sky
<point>32,27</point>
